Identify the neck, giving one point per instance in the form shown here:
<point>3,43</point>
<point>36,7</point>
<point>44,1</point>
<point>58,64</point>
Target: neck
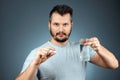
<point>58,43</point>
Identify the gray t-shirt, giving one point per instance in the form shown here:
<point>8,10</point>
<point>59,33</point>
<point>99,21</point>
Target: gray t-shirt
<point>69,63</point>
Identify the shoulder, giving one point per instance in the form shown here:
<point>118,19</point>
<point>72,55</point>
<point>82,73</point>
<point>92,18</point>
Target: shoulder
<point>43,45</point>
<point>33,51</point>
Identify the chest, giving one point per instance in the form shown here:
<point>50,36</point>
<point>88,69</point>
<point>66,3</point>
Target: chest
<point>64,64</point>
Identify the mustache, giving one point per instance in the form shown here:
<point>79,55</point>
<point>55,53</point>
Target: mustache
<point>60,33</point>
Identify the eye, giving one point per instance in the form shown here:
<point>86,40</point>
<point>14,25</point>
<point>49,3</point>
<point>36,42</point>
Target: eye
<point>56,24</point>
<point>65,24</point>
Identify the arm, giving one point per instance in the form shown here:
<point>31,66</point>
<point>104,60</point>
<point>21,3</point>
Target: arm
<point>103,56</point>
<point>42,55</point>
<point>29,73</point>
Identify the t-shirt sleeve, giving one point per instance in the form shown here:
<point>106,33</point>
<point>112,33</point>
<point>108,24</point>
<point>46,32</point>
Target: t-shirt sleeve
<point>28,60</point>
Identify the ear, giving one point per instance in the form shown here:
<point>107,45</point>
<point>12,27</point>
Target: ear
<point>49,24</point>
<point>72,24</point>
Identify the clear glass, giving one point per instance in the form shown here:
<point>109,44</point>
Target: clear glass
<point>84,56</point>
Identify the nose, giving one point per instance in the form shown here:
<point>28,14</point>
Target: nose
<point>61,28</point>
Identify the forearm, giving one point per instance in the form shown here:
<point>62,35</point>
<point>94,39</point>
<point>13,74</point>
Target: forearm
<point>107,57</point>
<point>29,73</point>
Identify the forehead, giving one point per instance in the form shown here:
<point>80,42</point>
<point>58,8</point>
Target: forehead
<point>60,18</point>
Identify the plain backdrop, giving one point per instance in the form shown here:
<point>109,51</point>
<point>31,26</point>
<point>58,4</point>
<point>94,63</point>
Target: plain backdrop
<point>24,26</point>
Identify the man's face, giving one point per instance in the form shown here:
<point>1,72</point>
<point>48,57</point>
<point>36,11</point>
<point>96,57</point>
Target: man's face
<point>60,27</point>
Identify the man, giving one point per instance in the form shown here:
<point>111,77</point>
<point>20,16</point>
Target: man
<point>60,59</point>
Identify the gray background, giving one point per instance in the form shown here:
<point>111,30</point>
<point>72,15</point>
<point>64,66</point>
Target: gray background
<point>23,26</point>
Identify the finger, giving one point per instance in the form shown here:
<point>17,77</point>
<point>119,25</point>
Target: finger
<point>43,55</point>
<point>82,41</point>
<point>93,45</point>
<point>96,42</point>
<point>92,40</point>
<point>50,48</point>
<point>88,42</point>
<point>96,49</point>
<point>42,52</point>
<point>51,53</point>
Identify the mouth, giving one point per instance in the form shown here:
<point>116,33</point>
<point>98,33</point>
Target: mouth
<point>60,34</point>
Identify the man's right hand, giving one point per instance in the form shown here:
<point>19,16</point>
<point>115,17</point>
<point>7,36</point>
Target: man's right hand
<point>43,54</point>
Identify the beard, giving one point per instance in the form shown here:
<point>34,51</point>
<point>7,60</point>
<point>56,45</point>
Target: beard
<point>61,40</point>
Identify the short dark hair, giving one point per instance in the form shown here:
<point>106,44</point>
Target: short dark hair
<point>61,9</point>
